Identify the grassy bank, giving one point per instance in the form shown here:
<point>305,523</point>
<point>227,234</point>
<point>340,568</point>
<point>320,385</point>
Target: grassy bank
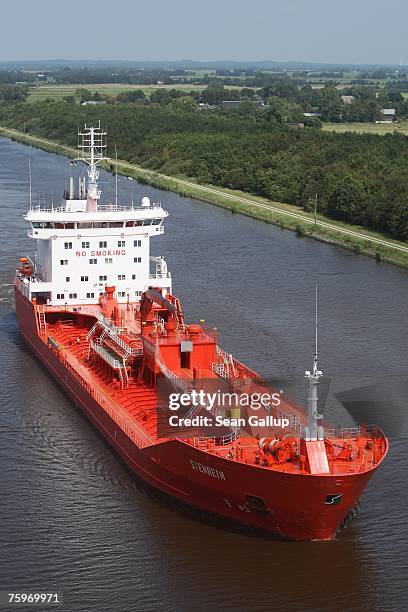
<point>287,216</point>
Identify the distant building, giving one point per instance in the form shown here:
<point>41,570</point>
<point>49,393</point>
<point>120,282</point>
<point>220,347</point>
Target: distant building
<point>43,78</point>
<point>348,99</point>
<point>312,114</point>
<point>205,106</point>
<point>237,103</point>
<point>387,116</point>
<point>296,124</point>
<point>93,102</point>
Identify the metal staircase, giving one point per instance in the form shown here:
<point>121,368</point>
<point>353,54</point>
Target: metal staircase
<point>42,323</point>
<point>226,368</point>
<point>112,348</point>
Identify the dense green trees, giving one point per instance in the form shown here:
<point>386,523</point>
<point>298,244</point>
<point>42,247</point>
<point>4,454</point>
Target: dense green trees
<point>12,93</point>
<point>133,95</point>
<point>17,76</point>
<point>358,178</point>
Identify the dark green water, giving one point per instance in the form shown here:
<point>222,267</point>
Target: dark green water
<point>73,518</point>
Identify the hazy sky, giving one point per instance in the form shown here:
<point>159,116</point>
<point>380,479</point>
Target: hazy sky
<point>345,31</point>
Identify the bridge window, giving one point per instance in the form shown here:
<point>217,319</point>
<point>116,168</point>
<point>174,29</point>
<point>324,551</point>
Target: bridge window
<point>64,262</point>
<point>133,276</point>
<point>103,244</point>
<point>103,278</point>
<point>93,261</point>
<point>137,260</point>
<point>37,225</point>
<point>138,293</point>
<point>85,225</point>
<point>108,260</point>
<point>85,245</point>
<point>60,296</point>
<point>121,243</point>
<point>64,225</point>
<point>121,293</point>
<point>121,276</point>
<point>72,296</point>
<point>156,221</point>
<point>137,243</point>
<point>116,224</point>
<point>90,295</point>
<point>67,245</point>
<point>84,279</point>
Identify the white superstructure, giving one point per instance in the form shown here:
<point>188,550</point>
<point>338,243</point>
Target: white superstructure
<point>84,246</point>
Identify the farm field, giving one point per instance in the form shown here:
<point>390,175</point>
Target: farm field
<point>60,91</point>
<point>400,127</point>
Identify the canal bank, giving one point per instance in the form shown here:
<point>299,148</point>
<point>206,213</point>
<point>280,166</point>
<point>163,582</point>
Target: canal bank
<point>354,238</point>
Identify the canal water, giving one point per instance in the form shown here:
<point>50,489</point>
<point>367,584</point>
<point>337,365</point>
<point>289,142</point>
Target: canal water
<point>72,517</point>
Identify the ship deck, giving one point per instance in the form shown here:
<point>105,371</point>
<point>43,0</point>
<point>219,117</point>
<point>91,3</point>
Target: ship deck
<point>134,408</point>
<point>128,313</point>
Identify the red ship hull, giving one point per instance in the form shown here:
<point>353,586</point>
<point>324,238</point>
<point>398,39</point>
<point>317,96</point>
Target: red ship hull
<point>294,502</point>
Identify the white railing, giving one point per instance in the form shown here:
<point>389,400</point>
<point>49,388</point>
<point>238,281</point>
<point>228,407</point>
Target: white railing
<point>217,441</point>
<point>294,420</point>
<point>45,208</point>
<point>350,432</point>
<point>159,276</point>
<point>174,379</point>
<point>112,331</point>
<point>226,367</point>
<point>23,285</point>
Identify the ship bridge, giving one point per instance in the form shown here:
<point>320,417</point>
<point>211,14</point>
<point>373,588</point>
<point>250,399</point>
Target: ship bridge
<point>84,246</point>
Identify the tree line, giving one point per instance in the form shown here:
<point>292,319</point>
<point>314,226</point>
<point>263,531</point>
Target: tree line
<point>12,93</point>
<point>283,96</point>
<point>358,178</point>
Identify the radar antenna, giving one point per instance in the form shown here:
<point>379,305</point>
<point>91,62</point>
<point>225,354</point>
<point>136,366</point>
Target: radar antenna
<point>92,145</point>
<point>29,173</point>
<point>116,175</point>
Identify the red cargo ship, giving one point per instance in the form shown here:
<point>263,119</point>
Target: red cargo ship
<point>99,313</point>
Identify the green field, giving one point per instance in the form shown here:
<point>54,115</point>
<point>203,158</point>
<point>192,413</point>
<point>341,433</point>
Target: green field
<point>60,91</point>
<point>400,127</point>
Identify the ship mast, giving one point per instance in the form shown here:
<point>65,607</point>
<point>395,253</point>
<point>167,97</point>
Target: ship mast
<point>313,431</point>
<point>92,144</point>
